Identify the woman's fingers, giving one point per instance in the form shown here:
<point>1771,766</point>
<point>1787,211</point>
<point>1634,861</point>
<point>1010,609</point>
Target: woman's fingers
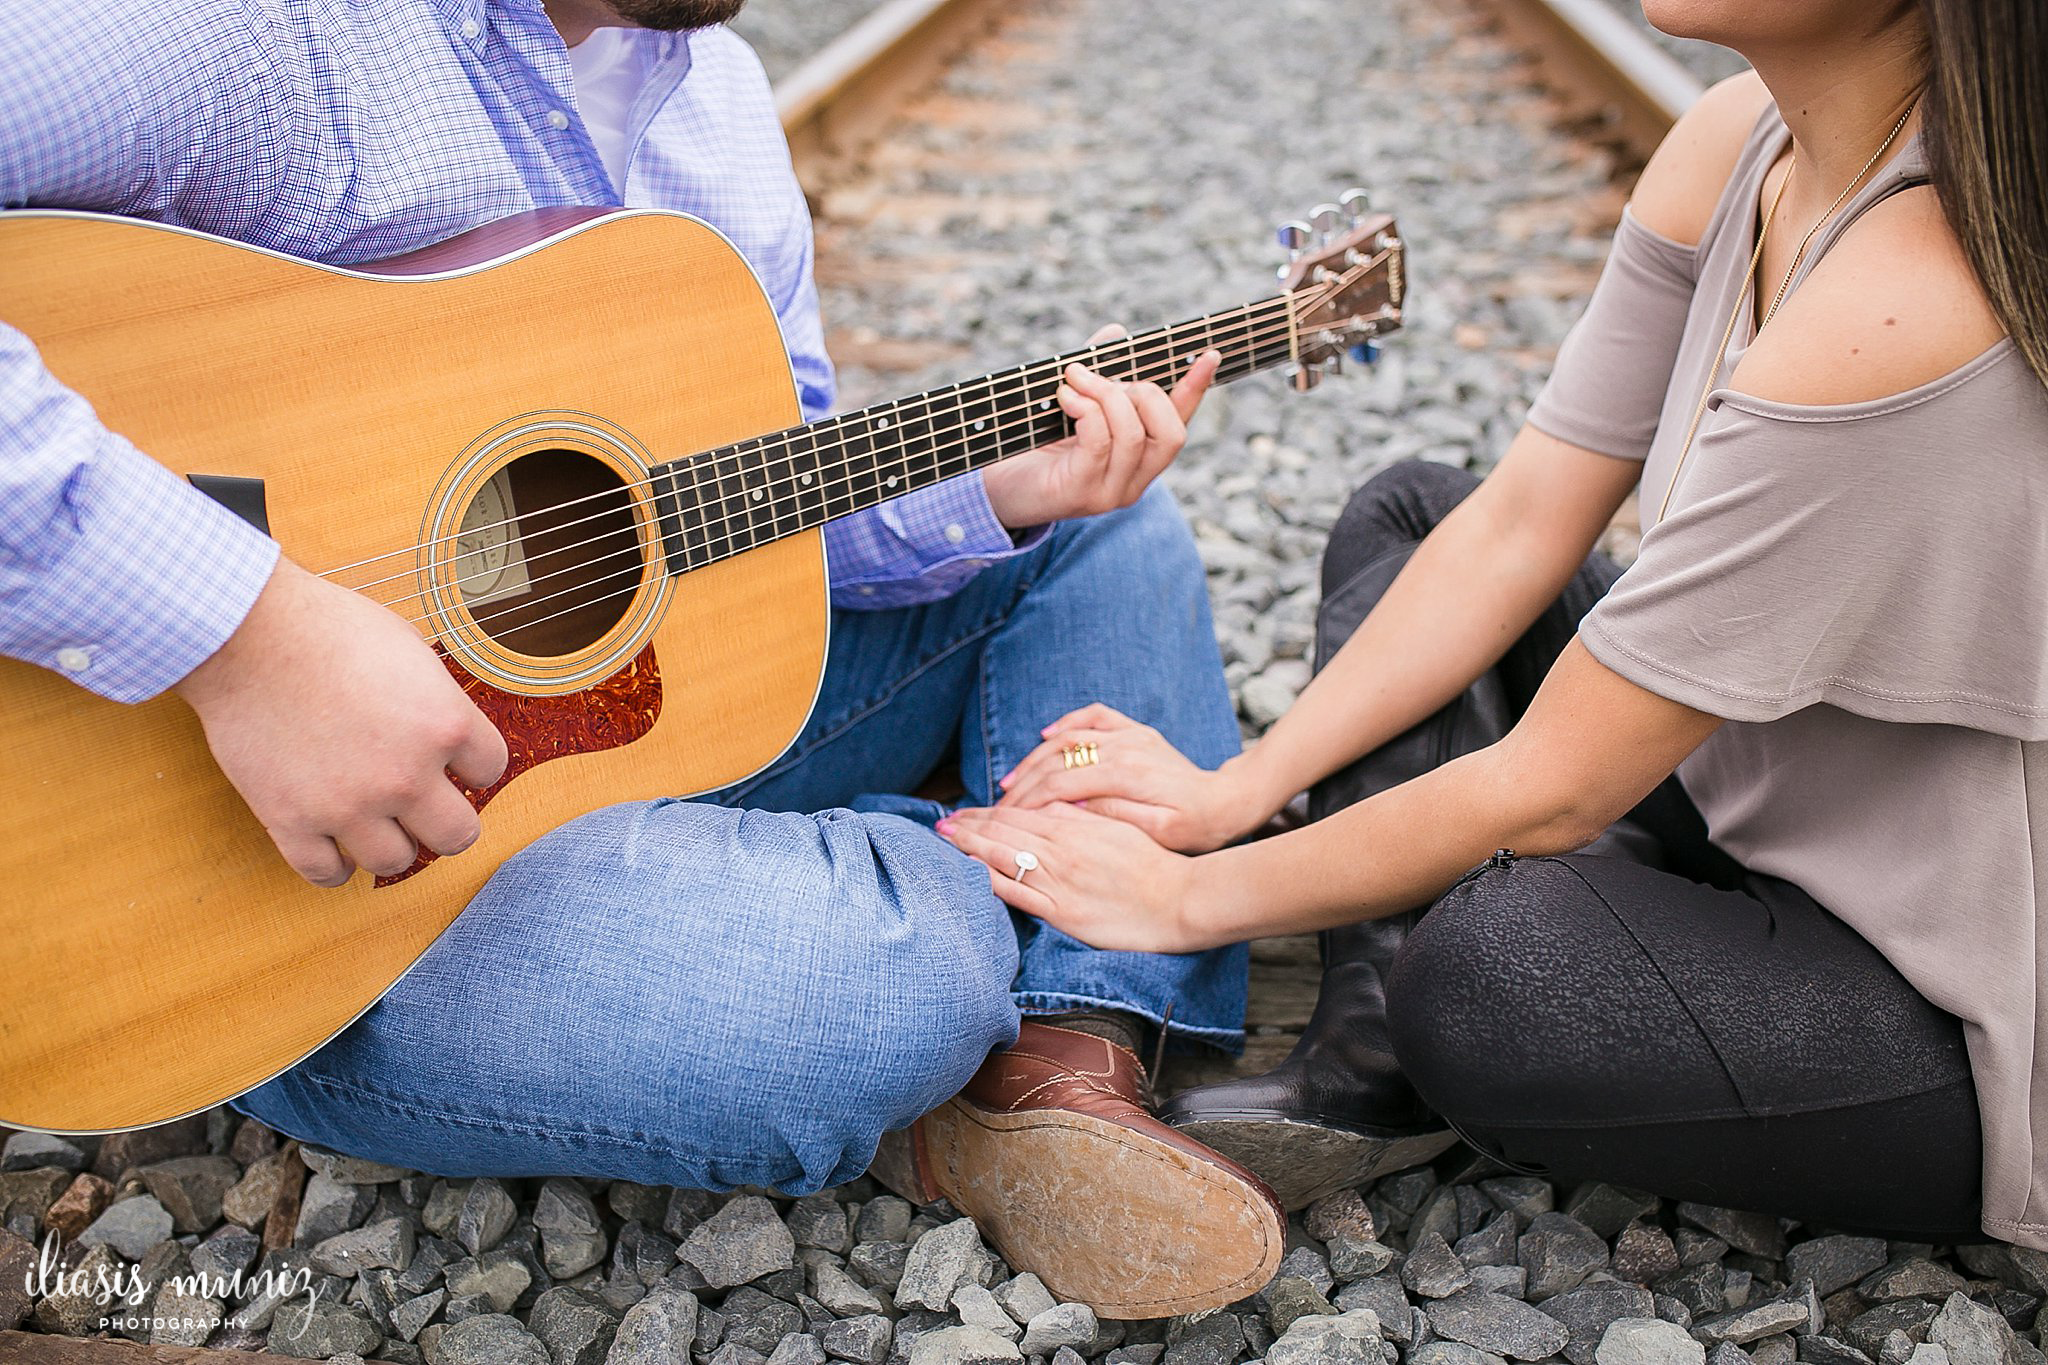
<point>995,845</point>
<point>1051,754</point>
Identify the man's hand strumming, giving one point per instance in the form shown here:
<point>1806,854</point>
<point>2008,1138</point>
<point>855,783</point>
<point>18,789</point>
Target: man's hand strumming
<point>339,727</point>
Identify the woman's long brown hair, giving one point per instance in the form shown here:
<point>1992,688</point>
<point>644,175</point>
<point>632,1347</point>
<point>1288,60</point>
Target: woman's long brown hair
<point>1986,117</point>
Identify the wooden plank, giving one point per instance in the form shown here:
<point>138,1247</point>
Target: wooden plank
<point>29,1348</point>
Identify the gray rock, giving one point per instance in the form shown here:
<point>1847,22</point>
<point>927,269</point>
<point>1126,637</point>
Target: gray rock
<point>885,1218</point>
<point>387,1245</point>
<point>879,1264</point>
<point>1647,1341</point>
<point>1559,1252</point>
<point>1911,1316</point>
<point>798,1348</point>
<point>572,1237</point>
<point>940,1262</point>
<point>1820,1349</point>
<point>327,1208</point>
<point>1523,1196</point>
<point>1701,1288</point>
<point>657,1330</point>
<point>1147,1353</point>
<point>1308,1264</point>
<point>757,1320</point>
<point>732,1353</point>
<point>1607,1209</point>
<point>644,1254</point>
<point>1024,1297</point>
<point>742,1241</point>
<point>483,1218</point>
<point>1644,1254</point>
<point>192,1187</point>
<point>1350,1339</point>
<point>1758,1321</point>
<point>349,1170</point>
<point>864,1340</point>
<point>1510,1280</point>
<point>1695,1247</point>
<point>26,1151</point>
<point>1289,1299</point>
<point>576,1329</point>
<point>1452,1353</point>
<point>130,1227</point>
<point>1496,1243</point>
<point>1352,1260</point>
<point>230,1250</point>
<point>1503,1326</point>
<point>182,1318</point>
<point>488,1339</point>
<point>1388,1301</point>
<point>1911,1279</point>
<point>318,1330</point>
<point>2019,1267</point>
<point>841,1293</point>
<point>1756,1233</point>
<point>819,1220</point>
<point>962,1346</point>
<point>1778,1350</point>
<point>976,1307</point>
<point>1215,1338</point>
<point>1897,1348</point>
<point>410,1317</point>
<point>430,1256</point>
<point>1834,1263</point>
<point>1066,1324</point>
<point>1972,1334</point>
<point>1342,1214</point>
<point>1441,1215</point>
<point>1432,1270</point>
<point>499,1276</point>
<point>1588,1311</point>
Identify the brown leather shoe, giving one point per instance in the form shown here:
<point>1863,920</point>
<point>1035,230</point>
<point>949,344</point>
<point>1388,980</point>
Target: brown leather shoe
<point>1051,1152</point>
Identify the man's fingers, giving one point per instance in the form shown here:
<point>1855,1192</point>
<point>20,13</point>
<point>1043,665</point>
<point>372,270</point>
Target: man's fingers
<point>1165,431</point>
<point>319,860</point>
<point>1114,399</point>
<point>381,847</point>
<point>481,758</point>
<point>444,821</point>
<point>1109,331</point>
<point>1187,395</point>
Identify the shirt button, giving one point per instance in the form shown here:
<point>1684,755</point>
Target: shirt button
<point>557,119</point>
<point>73,660</point>
<point>956,533</point>
<point>470,28</point>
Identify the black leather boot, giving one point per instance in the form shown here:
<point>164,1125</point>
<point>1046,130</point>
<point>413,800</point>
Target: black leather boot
<point>1337,1112</point>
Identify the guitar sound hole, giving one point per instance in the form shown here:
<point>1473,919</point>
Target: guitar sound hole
<point>548,556</point>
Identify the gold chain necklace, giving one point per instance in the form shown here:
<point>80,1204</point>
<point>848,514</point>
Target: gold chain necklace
<point>1763,233</point>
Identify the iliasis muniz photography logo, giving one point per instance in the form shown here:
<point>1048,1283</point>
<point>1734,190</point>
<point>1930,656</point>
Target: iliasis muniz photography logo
<point>123,1290</point>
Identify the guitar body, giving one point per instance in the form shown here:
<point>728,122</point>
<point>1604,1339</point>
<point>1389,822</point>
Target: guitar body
<point>159,956</point>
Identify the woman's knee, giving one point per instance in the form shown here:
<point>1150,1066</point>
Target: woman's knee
<point>1393,509</point>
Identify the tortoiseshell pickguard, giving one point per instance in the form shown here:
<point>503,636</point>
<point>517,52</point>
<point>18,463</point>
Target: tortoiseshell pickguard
<point>606,715</point>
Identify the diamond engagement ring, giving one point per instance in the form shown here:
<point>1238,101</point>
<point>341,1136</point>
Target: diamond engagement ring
<point>1026,862</point>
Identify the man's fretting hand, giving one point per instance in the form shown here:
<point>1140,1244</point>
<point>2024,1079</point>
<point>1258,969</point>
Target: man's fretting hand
<point>339,727</point>
<point>1124,435</point>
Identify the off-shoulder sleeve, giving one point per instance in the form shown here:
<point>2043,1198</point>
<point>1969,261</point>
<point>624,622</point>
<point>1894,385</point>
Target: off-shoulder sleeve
<point>1607,389</point>
<point>1889,558</point>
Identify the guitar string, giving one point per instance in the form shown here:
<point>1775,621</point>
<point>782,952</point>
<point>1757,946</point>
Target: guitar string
<point>722,548</point>
<point>747,499</point>
<point>722,507</point>
<point>633,571</point>
<point>1140,345</point>
<point>1021,374</point>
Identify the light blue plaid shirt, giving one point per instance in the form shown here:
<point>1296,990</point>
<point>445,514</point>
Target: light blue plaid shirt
<point>343,131</point>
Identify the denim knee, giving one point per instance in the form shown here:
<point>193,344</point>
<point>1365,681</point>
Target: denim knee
<point>1395,508</point>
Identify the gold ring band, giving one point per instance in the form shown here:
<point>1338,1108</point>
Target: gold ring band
<point>1081,755</point>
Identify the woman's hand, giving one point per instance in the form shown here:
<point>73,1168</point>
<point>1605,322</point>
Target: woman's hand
<point>1100,880</point>
<point>1140,779</point>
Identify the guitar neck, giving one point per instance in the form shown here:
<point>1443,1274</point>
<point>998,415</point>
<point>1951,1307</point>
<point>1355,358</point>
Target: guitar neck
<point>719,503</point>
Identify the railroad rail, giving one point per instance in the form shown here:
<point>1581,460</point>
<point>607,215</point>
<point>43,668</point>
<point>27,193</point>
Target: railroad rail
<point>1597,60</point>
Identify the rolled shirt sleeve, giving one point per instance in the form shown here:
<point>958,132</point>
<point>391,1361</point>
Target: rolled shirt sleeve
<point>114,572</point>
<point>921,547</point>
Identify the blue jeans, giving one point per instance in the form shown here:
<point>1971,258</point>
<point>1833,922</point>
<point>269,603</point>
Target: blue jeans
<point>752,987</point>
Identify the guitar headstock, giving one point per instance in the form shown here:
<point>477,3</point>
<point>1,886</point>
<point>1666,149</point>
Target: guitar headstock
<point>1344,281</point>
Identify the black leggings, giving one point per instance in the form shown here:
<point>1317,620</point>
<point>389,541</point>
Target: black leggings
<point>1649,1013</point>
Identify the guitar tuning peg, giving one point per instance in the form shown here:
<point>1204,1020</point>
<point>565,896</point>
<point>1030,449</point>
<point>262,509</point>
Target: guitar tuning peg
<point>1294,235</point>
<point>1355,203</point>
<point>1327,218</point>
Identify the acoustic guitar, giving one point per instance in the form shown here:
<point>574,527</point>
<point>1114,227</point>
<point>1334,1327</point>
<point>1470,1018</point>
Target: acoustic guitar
<point>567,448</point>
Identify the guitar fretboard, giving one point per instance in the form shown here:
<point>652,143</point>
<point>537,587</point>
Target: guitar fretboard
<point>719,503</point>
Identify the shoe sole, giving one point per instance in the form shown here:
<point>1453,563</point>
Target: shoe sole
<point>1103,1215</point>
<point>1305,1161</point>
